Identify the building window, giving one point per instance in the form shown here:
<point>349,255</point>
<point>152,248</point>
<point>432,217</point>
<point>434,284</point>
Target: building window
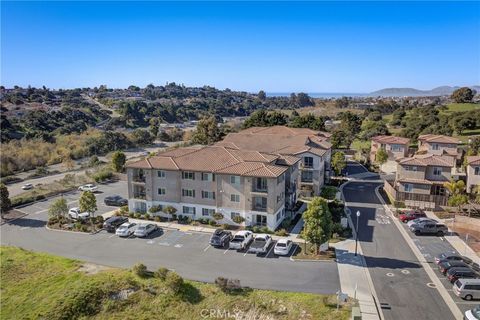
<point>207,212</point>
<point>235,197</point>
<point>188,210</point>
<point>259,203</point>
<point>261,184</point>
<point>308,162</point>
<point>408,187</point>
<point>161,174</point>
<point>307,176</point>
<point>411,168</point>
<point>437,171</point>
<point>187,175</point>
<point>278,216</point>
<point>208,176</point>
<point>435,146</point>
<point>235,179</point>
<point>477,171</point>
<point>234,214</point>
<point>396,148</point>
<point>161,191</point>
<point>188,193</point>
<point>208,194</point>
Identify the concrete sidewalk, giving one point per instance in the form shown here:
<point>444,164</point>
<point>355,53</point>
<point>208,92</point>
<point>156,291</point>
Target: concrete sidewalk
<point>355,279</point>
<point>456,241</point>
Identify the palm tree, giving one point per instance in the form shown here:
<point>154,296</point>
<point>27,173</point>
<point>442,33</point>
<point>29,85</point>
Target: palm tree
<point>456,191</point>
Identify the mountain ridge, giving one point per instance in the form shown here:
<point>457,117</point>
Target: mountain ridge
<point>438,91</point>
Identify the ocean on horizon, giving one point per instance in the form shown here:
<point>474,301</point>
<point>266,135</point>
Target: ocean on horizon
<point>325,95</point>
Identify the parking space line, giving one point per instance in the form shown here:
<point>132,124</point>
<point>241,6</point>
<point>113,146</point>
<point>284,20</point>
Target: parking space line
<point>204,250</point>
<point>268,253</point>
<point>246,251</point>
<point>113,235</point>
<point>224,252</point>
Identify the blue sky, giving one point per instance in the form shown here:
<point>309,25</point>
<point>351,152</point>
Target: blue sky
<point>274,46</point>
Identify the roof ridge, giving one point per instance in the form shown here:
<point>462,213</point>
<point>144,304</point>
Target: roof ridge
<point>149,164</point>
<point>268,169</point>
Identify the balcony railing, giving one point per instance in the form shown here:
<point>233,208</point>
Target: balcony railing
<point>307,180</point>
<point>259,208</point>
<point>140,195</point>
<point>138,178</point>
<point>259,189</point>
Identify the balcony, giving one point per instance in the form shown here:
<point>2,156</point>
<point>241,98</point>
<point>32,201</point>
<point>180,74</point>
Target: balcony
<point>259,208</point>
<point>140,195</point>
<point>259,189</point>
<point>138,178</point>
<point>306,166</point>
<point>306,180</point>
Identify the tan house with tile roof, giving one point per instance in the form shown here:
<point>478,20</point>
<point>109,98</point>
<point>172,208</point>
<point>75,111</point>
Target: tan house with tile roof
<point>311,146</point>
<point>439,145</point>
<point>419,180</point>
<point>473,172</point>
<point>396,148</point>
<point>199,182</point>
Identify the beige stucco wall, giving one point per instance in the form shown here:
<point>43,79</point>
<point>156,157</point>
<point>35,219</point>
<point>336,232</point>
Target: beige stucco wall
<point>404,174</point>
<point>417,188</point>
<point>445,176</point>
<point>448,147</point>
<point>472,179</point>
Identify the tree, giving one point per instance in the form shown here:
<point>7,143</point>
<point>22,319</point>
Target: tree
<point>317,222</point>
<point>142,137</point>
<point>381,156</point>
<point>456,193</point>
<point>207,131</point>
<point>68,163</point>
<point>4,199</point>
<point>154,127</point>
<point>262,95</point>
<point>88,203</point>
<point>59,208</point>
<point>463,95</point>
<point>118,161</point>
<point>338,162</point>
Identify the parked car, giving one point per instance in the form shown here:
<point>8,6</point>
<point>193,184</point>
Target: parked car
<point>220,238</point>
<point>241,240</point>
<point>450,256</point>
<point>76,214</point>
<point>260,244</point>
<point>116,201</point>
<point>429,228</point>
<point>444,266</point>
<point>145,229</point>
<point>473,314</point>
<point>112,223</point>
<point>283,247</point>
<point>411,215</point>
<point>88,187</point>
<point>467,289</point>
<point>453,274</point>
<point>420,221</point>
<point>27,186</point>
<point>126,230</point>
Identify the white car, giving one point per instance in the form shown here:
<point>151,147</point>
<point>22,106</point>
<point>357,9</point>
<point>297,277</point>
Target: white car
<point>145,229</point>
<point>88,187</point>
<point>241,239</point>
<point>419,220</point>
<point>27,186</point>
<point>126,230</point>
<point>283,247</point>
<point>473,314</point>
<point>75,213</point>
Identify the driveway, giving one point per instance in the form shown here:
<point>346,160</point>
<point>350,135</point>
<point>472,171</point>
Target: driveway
<point>187,253</point>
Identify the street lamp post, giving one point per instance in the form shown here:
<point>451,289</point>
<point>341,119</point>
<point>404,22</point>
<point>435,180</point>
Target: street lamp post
<point>356,233</point>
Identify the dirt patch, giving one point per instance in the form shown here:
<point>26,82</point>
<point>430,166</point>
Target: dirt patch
<point>11,215</point>
<point>462,229</point>
<point>91,268</point>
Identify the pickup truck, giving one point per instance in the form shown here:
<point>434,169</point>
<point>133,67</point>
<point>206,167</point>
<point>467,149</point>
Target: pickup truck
<point>260,243</point>
<point>241,240</point>
<point>75,213</point>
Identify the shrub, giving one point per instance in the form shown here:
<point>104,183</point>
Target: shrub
<point>203,220</point>
<point>123,209</point>
<point>337,228</point>
<point>161,273</point>
<point>157,219</point>
<point>140,270</point>
<point>218,216</point>
<point>131,214</point>
<point>256,229</point>
<point>225,226</point>
<point>174,282</point>
<point>281,233</point>
<point>328,192</point>
<point>154,209</point>
<point>102,175</point>
<point>84,228</point>
<point>227,285</point>
<point>99,219</point>
<point>238,219</point>
<point>137,215</point>
<point>212,223</point>
<point>399,204</point>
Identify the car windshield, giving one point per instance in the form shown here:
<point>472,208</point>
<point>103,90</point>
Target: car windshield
<point>141,228</point>
<point>280,244</point>
<point>476,312</point>
<point>121,228</point>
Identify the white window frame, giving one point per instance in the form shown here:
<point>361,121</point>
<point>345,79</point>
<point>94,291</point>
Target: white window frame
<point>234,197</point>
<point>408,187</point>
<point>235,180</point>
<point>207,176</point>
<point>188,210</point>
<point>188,175</point>
<point>188,193</point>
<point>437,171</point>
<point>206,212</point>
<point>234,214</point>
<point>476,171</point>
<point>161,174</point>
<point>435,146</point>
<point>161,191</point>
<point>208,194</point>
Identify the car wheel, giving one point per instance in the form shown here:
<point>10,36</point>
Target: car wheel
<point>417,233</point>
<point>468,297</point>
<point>440,233</point>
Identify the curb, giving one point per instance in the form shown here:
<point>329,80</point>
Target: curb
<point>69,231</point>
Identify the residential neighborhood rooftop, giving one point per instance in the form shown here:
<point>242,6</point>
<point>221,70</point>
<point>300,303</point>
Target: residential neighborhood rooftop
<point>428,160</point>
<point>437,138</point>
<point>391,139</point>
<point>473,160</point>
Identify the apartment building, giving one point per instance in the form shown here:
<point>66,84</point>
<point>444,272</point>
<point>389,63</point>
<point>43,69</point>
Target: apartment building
<point>419,180</point>
<point>396,147</point>
<point>439,145</point>
<point>199,182</point>
<point>312,147</point>
<point>473,172</point>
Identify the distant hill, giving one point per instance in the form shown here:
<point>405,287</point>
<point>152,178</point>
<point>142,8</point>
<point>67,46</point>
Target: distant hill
<point>439,91</point>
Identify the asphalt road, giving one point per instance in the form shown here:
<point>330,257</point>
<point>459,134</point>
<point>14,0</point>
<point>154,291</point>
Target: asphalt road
<point>187,253</point>
<point>399,280</point>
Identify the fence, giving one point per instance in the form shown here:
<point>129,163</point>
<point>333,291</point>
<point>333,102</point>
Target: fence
<point>415,199</point>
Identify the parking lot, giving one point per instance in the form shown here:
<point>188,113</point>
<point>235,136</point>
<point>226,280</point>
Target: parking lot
<point>431,246</point>
<point>188,253</point>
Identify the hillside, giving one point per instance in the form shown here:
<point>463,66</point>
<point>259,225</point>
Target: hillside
<point>438,91</point>
<point>48,287</point>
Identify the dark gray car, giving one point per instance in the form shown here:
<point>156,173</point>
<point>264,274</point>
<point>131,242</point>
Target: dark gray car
<point>429,228</point>
<point>116,201</point>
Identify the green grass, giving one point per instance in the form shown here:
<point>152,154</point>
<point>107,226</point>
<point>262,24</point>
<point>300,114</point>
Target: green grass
<point>36,285</point>
<point>461,107</point>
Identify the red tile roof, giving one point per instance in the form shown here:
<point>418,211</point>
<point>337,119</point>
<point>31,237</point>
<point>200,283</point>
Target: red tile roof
<point>437,138</point>
<point>428,160</point>
<point>473,160</point>
<point>391,140</point>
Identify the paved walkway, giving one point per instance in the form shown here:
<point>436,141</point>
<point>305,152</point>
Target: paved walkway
<point>457,242</point>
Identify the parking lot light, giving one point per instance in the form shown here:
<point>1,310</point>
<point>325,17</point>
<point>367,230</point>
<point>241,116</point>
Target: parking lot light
<point>356,233</point>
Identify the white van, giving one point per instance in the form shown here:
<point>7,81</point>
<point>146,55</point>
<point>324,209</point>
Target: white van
<point>467,289</point>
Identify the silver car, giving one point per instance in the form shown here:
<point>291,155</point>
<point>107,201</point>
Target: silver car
<point>144,229</point>
<point>126,229</point>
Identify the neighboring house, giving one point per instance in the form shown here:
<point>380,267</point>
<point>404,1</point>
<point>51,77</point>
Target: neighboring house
<point>419,180</point>
<point>199,182</point>
<point>473,172</point>
<point>396,147</point>
<point>439,145</point>
<point>311,146</point>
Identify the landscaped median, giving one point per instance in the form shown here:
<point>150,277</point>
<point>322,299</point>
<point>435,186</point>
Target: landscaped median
<point>44,286</point>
